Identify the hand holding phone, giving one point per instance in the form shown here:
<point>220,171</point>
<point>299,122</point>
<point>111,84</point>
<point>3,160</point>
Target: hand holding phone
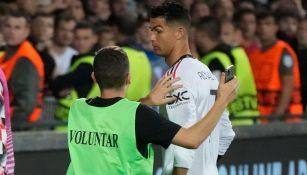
<point>229,73</point>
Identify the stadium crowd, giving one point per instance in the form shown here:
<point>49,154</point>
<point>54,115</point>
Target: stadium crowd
<point>48,46</point>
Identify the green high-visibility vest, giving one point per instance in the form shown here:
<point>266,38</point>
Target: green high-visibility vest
<point>245,105</point>
<point>141,74</point>
<point>62,109</point>
<point>102,140</point>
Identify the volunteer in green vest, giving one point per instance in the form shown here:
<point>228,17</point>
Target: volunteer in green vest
<point>78,82</point>
<point>218,56</point>
<point>113,135</point>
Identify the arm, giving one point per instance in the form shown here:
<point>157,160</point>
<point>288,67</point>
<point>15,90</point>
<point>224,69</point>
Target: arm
<point>193,136</point>
<point>158,95</point>
<point>78,77</point>
<point>286,92</point>
<point>25,87</point>
<point>300,8</point>
<point>286,74</point>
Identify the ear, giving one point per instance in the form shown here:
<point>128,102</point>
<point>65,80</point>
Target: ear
<point>28,30</point>
<point>95,39</point>
<point>93,77</point>
<point>180,33</point>
<point>128,78</point>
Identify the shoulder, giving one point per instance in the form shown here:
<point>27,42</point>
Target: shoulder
<point>193,75</point>
<point>71,51</point>
<point>24,62</point>
<point>77,102</point>
<point>187,67</point>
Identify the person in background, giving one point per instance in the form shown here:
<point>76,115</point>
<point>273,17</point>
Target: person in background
<point>302,61</point>
<point>121,9</point>
<point>3,12</point>
<point>231,34</point>
<point>77,83</point>
<point>276,72</point>
<point>53,6</point>
<point>106,35</point>
<point>199,9</point>
<point>218,56</point>
<point>57,57</point>
<point>186,3</point>
<point>24,70</point>
<point>98,10</point>
<point>224,9</point>
<point>246,4</point>
<point>247,21</point>
<point>140,78</point>
<point>287,24</point>
<point>29,6</point>
<point>76,10</point>
<point>42,31</point>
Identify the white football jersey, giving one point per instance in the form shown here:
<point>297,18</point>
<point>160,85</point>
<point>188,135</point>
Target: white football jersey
<point>194,100</point>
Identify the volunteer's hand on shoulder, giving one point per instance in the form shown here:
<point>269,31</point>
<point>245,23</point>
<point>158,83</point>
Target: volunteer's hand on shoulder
<point>158,95</point>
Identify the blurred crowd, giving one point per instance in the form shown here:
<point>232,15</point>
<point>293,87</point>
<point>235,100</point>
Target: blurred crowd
<point>47,50</point>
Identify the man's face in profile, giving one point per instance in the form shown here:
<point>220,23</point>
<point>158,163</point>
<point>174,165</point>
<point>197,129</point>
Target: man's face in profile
<point>162,36</point>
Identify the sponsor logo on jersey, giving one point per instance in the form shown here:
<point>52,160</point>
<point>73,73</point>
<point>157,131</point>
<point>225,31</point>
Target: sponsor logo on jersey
<point>181,98</point>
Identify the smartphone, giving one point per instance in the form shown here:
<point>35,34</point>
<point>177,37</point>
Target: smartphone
<point>229,73</point>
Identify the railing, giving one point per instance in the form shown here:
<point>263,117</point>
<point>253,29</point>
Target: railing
<point>48,122</point>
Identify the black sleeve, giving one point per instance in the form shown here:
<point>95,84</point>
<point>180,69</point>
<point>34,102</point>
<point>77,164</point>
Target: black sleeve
<point>49,65</point>
<point>80,76</point>
<point>24,84</point>
<point>150,127</point>
<point>216,65</point>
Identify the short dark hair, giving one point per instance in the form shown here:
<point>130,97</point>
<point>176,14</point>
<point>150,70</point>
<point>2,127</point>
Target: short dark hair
<point>63,17</point>
<point>20,14</point>
<point>264,15</point>
<point>172,12</point>
<point>111,66</point>
<point>239,14</point>
<point>41,14</point>
<point>285,13</point>
<point>211,25</point>
<point>86,25</point>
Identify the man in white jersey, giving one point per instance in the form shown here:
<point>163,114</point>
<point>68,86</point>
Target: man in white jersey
<point>169,24</point>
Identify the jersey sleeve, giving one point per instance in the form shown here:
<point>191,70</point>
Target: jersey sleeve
<point>226,133</point>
